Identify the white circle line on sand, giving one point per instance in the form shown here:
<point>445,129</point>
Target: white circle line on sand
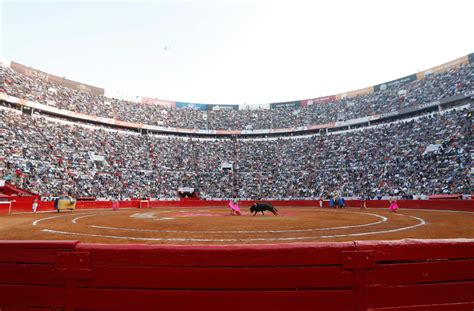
<point>34,223</point>
<point>421,222</point>
<point>85,210</point>
<point>74,221</point>
<point>413,209</point>
<point>383,219</point>
<point>435,210</point>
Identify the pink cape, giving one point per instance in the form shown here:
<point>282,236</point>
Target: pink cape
<point>234,207</point>
<point>393,206</point>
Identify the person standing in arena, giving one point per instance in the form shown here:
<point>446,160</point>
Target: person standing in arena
<point>341,202</point>
<point>393,205</point>
<point>115,204</point>
<point>35,205</point>
<point>234,206</point>
<point>56,204</point>
<point>363,202</point>
<point>331,202</point>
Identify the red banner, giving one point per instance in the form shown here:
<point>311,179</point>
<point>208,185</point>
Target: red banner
<point>319,100</point>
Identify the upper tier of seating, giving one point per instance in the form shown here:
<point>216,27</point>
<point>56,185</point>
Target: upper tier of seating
<point>432,87</point>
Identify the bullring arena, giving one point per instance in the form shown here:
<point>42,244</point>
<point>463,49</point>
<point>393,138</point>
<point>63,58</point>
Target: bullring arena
<point>405,143</point>
<point>215,226</point>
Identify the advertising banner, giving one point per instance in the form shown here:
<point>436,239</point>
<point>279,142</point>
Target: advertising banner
<point>374,117</point>
<point>182,105</point>
<point>115,94</point>
<point>52,78</point>
<point>159,102</point>
<point>389,114</point>
<point>282,130</point>
<point>386,85</point>
<point>228,132</point>
<point>469,93</point>
<point>128,124</point>
<point>319,100</point>
<point>184,130</point>
<point>223,107</point>
<point>155,128</point>
<point>443,67</point>
<point>286,105</point>
<point>321,126</point>
<point>360,92</point>
<point>352,121</point>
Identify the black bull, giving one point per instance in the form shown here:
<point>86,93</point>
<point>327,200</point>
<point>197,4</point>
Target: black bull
<point>261,207</point>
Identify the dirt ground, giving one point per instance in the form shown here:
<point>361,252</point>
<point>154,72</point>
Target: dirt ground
<point>193,226</point>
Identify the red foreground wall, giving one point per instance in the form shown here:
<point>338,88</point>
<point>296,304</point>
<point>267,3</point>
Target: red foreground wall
<point>24,205</point>
<point>367,275</point>
<point>382,275</point>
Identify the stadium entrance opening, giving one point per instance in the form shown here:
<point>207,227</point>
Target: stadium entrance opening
<point>186,193</point>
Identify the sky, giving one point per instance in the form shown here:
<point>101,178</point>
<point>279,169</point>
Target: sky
<point>235,52</point>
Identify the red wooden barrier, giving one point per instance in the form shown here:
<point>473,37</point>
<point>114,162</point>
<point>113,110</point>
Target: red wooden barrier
<point>458,205</point>
<point>26,205</point>
<point>383,275</point>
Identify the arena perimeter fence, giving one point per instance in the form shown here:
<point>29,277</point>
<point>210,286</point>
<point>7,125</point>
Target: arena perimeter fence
<point>360,275</point>
<point>24,204</point>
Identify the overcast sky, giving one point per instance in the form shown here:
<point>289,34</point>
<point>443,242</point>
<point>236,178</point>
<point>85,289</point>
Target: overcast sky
<point>235,52</point>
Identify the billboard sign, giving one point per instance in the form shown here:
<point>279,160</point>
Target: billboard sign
<point>286,105</point>
<point>223,107</point>
<point>444,67</point>
<point>158,102</point>
<point>387,85</point>
<point>194,106</point>
<point>360,92</point>
<point>319,100</point>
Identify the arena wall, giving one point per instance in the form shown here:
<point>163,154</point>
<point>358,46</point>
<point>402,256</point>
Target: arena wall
<point>457,205</point>
<point>365,275</point>
<point>23,205</point>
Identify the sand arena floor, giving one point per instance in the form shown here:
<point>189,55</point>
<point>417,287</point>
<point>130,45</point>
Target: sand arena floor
<point>217,226</point>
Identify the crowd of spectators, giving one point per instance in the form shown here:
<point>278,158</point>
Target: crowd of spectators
<point>50,156</point>
<point>432,87</point>
<point>385,160</point>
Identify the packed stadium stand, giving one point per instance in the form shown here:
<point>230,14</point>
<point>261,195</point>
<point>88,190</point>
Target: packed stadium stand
<point>385,98</point>
<point>398,147</point>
